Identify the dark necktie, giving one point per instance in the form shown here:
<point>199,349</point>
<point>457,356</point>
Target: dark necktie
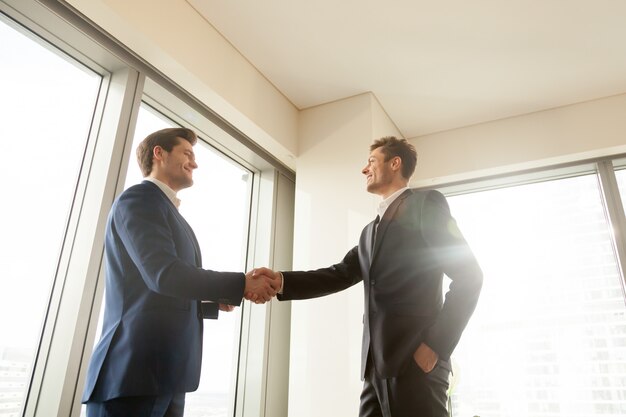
<point>376,221</point>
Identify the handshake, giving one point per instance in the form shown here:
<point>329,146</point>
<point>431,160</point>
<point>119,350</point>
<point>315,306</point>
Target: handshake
<point>262,284</point>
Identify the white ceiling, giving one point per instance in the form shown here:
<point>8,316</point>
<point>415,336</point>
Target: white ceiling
<point>433,65</point>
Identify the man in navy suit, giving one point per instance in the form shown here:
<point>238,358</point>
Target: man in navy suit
<point>150,351</point>
<point>409,331</point>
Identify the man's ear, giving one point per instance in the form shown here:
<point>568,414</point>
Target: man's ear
<point>396,163</point>
<point>157,153</point>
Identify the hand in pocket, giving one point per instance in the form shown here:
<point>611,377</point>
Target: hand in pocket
<point>425,358</point>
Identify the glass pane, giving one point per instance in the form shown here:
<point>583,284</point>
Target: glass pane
<point>548,337</point>
<point>47,104</point>
<point>221,230</point>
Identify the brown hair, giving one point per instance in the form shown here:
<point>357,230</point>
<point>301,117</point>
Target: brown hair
<point>166,139</point>
<point>391,147</point>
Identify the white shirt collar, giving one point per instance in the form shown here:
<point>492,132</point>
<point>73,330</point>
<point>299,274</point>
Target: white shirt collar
<point>384,205</point>
<point>169,193</point>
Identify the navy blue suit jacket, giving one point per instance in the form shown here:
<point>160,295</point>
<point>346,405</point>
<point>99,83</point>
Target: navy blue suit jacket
<point>151,342</point>
<point>417,242</point>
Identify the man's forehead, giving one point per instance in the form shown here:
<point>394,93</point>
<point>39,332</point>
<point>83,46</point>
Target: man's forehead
<point>376,153</point>
<point>184,143</point>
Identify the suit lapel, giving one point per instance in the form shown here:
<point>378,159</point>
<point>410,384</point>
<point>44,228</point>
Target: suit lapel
<point>384,222</point>
<point>369,240</point>
<point>183,223</point>
<point>192,236</point>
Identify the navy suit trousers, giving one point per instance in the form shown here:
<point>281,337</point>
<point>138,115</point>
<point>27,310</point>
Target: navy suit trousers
<point>145,406</point>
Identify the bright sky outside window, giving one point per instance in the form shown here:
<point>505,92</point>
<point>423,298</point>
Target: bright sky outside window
<point>217,207</point>
<point>47,104</point>
<point>549,335</point>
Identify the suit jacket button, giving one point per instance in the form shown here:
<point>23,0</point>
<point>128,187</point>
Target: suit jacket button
<point>373,283</point>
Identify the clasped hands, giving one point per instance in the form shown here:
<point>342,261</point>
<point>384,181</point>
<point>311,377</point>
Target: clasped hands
<point>261,285</point>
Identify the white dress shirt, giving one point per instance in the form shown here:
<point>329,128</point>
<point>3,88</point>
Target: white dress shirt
<point>384,205</point>
<point>171,194</point>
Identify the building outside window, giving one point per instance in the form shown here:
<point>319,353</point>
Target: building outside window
<point>548,338</point>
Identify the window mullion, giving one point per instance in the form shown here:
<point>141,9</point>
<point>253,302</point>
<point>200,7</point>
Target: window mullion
<point>615,214</point>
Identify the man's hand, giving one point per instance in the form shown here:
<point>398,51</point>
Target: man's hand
<point>426,358</point>
<point>226,307</point>
<point>261,285</point>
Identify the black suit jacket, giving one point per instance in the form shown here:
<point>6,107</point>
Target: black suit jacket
<point>417,242</point>
<point>151,342</point>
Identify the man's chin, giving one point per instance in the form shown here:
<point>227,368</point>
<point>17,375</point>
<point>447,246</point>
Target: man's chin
<point>187,184</point>
<point>373,189</point>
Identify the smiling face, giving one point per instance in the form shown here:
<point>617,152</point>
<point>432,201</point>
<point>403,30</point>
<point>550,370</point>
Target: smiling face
<point>175,168</point>
<point>382,176</point>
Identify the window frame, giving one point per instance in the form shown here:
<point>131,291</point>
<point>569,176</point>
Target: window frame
<point>70,324</point>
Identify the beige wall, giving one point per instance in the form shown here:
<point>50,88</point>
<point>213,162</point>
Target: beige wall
<point>331,209</point>
<point>565,134</point>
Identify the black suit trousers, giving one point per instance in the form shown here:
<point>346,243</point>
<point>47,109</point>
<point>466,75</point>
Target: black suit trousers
<point>411,394</point>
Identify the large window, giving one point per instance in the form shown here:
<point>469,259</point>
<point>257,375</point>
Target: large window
<point>47,105</point>
<point>217,207</point>
<point>548,337</point>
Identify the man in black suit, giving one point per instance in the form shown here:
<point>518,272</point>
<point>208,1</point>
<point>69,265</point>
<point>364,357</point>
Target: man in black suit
<point>409,331</point>
<point>157,294</point>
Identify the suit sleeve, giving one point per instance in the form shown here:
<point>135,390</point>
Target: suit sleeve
<point>143,227</point>
<point>317,283</point>
<point>453,255</point>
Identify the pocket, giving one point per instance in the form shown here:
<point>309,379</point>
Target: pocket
<point>445,364</point>
<point>415,366</point>
<point>440,374</point>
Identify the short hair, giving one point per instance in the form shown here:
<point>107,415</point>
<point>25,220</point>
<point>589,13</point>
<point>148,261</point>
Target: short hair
<point>166,139</point>
<point>391,147</point>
